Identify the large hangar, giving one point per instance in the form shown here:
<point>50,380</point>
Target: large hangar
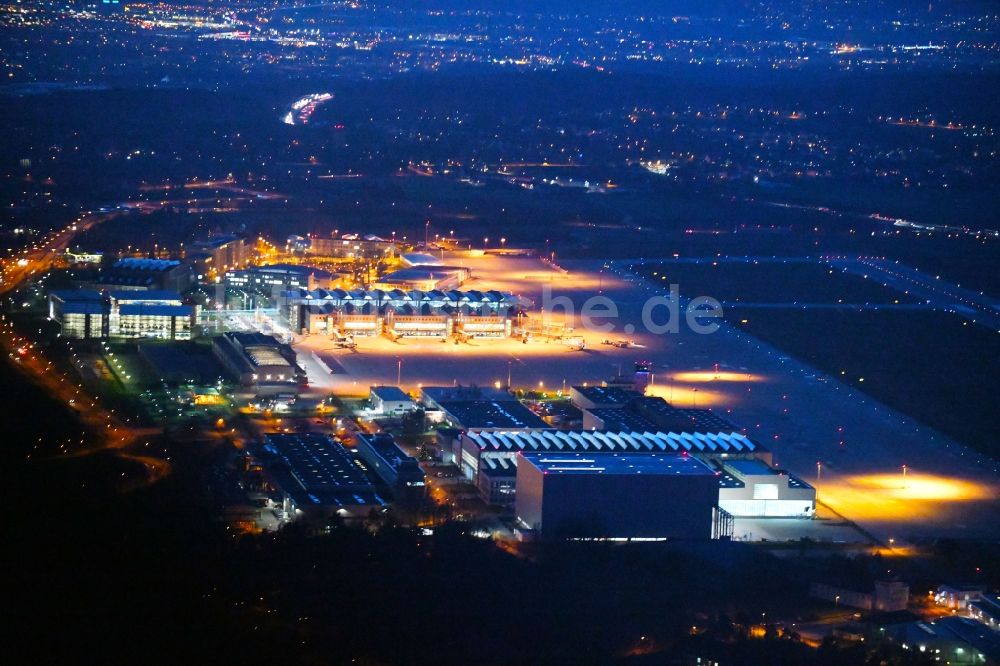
<point>616,495</point>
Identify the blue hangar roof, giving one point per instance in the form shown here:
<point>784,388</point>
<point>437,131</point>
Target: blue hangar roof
<point>617,464</point>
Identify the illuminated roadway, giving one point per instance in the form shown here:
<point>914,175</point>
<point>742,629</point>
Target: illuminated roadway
<point>25,355</point>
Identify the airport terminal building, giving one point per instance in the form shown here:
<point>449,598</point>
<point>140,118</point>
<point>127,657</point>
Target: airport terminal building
<point>399,313</point>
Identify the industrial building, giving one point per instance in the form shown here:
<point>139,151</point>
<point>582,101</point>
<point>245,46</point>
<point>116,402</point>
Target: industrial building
<point>424,278</point>
<point>616,496</point>
<point>952,639</point>
<point>750,488</point>
<point>138,273</point>
<point>399,313</point>
<point>259,362</point>
<point>480,408</point>
<point>129,313</point>
<point>885,597</point>
<point>591,397</point>
<point>393,466</point>
<point>477,453</point>
<point>390,400</point>
<point>413,259</point>
<point>616,408</point>
<point>316,475</point>
<point>279,278</point>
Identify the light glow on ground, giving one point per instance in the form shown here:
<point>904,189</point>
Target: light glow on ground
<point>886,497</point>
<point>721,376</point>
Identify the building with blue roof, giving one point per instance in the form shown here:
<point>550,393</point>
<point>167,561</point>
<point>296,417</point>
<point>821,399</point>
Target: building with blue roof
<point>618,496</point>
<point>139,273</point>
<point>129,313</point>
<point>317,476</point>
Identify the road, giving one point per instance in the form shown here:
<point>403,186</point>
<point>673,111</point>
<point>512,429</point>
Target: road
<point>25,354</point>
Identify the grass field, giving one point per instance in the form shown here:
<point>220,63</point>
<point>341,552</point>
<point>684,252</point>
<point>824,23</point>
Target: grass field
<point>933,366</point>
<point>772,282</point>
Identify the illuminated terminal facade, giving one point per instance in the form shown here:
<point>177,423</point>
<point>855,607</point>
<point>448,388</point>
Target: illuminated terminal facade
<point>400,313</point>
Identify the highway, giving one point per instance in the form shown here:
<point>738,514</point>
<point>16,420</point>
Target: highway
<point>24,353</point>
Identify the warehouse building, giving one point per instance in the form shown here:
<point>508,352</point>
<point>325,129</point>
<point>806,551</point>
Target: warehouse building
<point>480,408</point>
<point>259,362</point>
<point>393,466</point>
<point>616,496</point>
<point>317,476</point>
<point>474,451</point>
<point>139,273</point>
<point>390,400</point>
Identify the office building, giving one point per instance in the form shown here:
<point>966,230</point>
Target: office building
<point>81,314</point>
<point>352,246</point>
<point>215,256</point>
<point>128,313</point>
<point>159,315</point>
<point>275,279</point>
